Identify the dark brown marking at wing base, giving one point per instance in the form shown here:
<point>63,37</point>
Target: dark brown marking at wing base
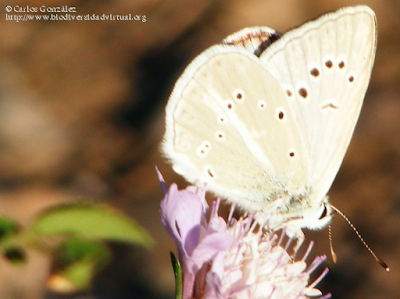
<point>265,44</point>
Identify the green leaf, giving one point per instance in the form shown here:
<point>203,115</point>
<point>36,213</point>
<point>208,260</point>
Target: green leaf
<point>11,248</point>
<point>77,262</point>
<point>75,277</point>
<point>7,227</point>
<point>73,250</point>
<point>15,255</point>
<point>178,276</point>
<point>85,220</point>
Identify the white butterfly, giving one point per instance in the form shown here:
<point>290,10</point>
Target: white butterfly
<point>266,120</point>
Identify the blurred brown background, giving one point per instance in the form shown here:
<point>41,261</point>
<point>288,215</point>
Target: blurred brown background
<point>81,115</point>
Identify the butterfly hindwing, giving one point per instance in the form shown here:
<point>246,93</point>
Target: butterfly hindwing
<point>325,66</point>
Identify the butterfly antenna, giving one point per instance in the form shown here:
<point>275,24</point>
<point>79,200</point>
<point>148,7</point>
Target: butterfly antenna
<point>380,261</point>
<point>334,257</point>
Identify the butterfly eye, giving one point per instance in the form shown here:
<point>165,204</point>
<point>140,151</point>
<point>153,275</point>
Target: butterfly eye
<point>324,213</point>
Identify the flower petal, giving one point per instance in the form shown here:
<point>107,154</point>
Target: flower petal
<point>182,214</point>
<point>210,245</point>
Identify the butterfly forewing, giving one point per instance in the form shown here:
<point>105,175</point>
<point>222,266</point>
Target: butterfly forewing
<point>324,66</point>
<point>228,124</point>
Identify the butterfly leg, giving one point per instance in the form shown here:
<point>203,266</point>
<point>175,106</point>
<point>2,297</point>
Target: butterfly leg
<point>299,242</point>
<point>294,232</point>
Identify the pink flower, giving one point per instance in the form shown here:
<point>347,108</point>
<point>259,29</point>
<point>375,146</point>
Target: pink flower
<point>231,260</point>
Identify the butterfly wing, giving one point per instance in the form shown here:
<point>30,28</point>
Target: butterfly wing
<point>324,66</point>
<point>253,39</point>
<point>228,124</point>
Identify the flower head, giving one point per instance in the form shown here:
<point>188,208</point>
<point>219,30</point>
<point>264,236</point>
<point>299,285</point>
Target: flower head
<point>234,259</point>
